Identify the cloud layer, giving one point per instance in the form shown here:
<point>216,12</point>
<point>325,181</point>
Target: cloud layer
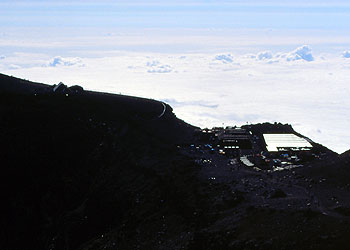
<point>208,89</point>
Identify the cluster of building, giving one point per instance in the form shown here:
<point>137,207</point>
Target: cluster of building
<point>270,150</point>
<point>231,140</point>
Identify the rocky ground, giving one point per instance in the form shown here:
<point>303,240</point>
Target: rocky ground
<point>85,170</point>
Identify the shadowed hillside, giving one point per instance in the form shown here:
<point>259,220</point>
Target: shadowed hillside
<point>74,166</point>
<point>88,170</point>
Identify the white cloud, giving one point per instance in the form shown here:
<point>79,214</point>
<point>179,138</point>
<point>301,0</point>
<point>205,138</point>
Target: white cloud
<point>346,54</point>
<point>60,61</point>
<point>161,69</point>
<point>153,63</point>
<point>250,56</point>
<point>228,58</point>
<point>2,57</point>
<point>264,55</point>
<point>301,53</point>
<point>156,67</point>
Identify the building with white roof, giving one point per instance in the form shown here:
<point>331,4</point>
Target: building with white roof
<point>285,142</point>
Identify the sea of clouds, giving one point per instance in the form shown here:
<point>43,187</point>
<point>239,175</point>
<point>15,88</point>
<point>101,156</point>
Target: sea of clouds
<point>310,91</point>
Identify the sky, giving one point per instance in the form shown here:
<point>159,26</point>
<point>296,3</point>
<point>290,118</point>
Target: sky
<point>216,62</point>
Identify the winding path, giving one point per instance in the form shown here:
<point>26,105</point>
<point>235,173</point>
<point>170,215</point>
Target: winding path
<point>164,109</point>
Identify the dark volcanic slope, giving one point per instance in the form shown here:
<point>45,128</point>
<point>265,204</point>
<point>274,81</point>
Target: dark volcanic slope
<point>74,166</point>
<point>18,86</point>
<point>90,171</point>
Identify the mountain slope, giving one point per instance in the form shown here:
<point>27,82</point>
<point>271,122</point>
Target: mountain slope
<point>87,170</point>
<point>73,166</point>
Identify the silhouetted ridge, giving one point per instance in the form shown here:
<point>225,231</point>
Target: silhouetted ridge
<point>9,84</point>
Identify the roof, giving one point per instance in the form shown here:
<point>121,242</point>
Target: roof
<point>275,142</point>
<point>233,137</point>
<point>58,86</point>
